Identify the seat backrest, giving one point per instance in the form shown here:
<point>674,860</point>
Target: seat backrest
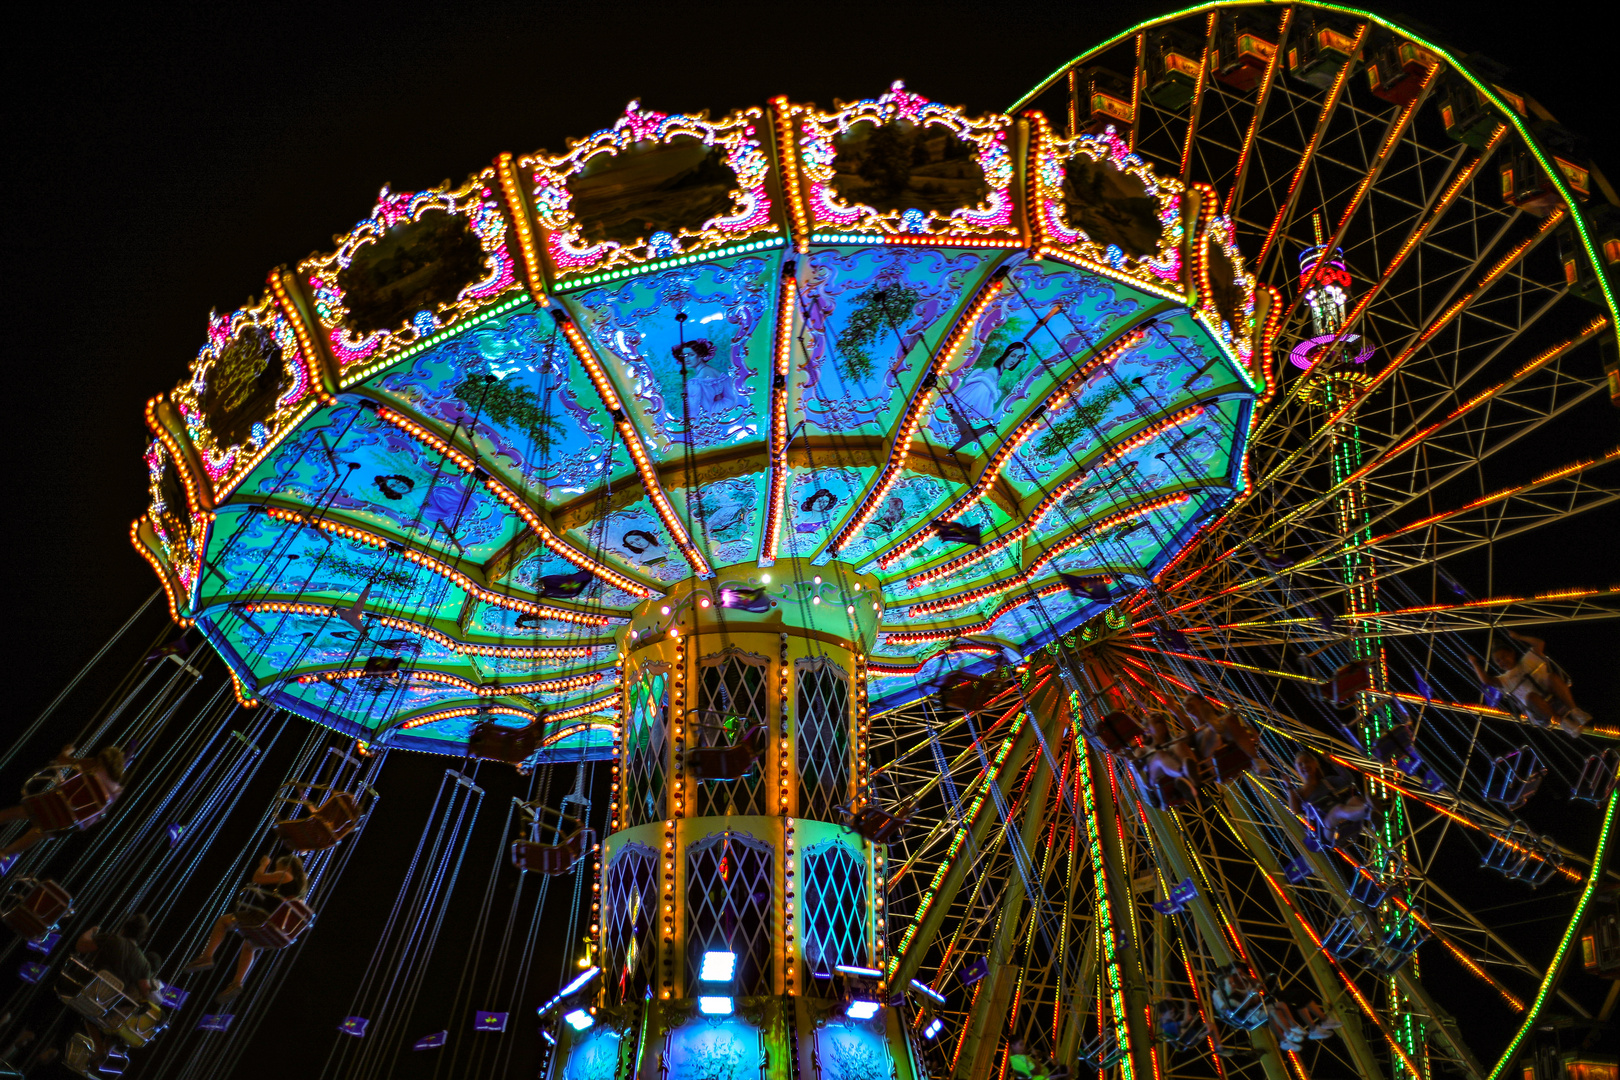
<point>340,812</point>
<point>306,834</point>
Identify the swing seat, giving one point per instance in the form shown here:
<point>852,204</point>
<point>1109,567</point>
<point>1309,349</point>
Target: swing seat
<point>1515,777</point>
<point>1347,682</point>
<point>552,859</point>
<point>878,825</point>
<point>1229,762</point>
<point>323,825</point>
<point>81,1055</point>
<point>1162,792</point>
<point>282,923</point>
<point>98,996</point>
<point>32,908</point>
<point>75,801</point>
<point>511,745</point>
<point>724,763</point>
<point>1343,940</point>
<point>1118,730</point>
<point>142,1027</point>
<point>1598,776</point>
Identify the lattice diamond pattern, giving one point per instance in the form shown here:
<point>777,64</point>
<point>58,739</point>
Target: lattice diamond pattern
<point>822,738</point>
<point>630,908</point>
<point>733,682</point>
<point>645,742</point>
<point>834,884</point>
<point>728,906</point>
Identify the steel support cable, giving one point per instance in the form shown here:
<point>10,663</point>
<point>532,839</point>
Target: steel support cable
<point>475,948</point>
<point>278,966</point>
<point>413,950</point>
<point>10,753</point>
<point>374,965</point>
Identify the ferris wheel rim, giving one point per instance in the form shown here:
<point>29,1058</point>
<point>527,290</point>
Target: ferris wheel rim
<point>1484,87</point>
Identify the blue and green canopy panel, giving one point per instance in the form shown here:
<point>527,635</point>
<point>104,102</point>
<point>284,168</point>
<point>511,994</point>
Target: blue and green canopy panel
<point>424,481</point>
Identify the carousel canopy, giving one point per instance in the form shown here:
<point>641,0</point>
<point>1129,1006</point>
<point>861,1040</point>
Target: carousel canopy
<point>429,477</point>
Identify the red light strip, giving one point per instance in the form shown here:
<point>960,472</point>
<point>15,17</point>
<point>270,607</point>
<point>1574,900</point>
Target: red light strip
<point>1068,543</point>
<point>436,566</point>
<point>541,686</point>
<point>900,448</point>
<point>1058,494</point>
<point>512,652</point>
<point>1349,983</point>
<point>1010,445</point>
<point>632,439</point>
<point>786,307</point>
<point>555,544</point>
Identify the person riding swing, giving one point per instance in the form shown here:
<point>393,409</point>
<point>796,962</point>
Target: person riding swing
<point>268,914</point>
<point>70,793</point>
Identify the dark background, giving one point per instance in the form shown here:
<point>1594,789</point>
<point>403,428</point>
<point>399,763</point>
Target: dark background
<point>161,161</point>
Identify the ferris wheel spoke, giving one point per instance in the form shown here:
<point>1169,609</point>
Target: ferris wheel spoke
<point>1530,405</point>
<point>1330,104</point>
<point>1409,984</point>
<point>1326,976</point>
<point>1268,83</point>
<point>1293,461</point>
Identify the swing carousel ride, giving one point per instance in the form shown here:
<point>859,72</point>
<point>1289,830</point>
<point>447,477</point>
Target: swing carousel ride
<point>1022,571</point>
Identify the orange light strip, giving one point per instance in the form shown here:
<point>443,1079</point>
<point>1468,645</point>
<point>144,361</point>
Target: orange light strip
<point>508,710</point>
<point>1010,445</point>
<point>1610,456</point>
<point>1536,363</point>
<point>540,686</point>
<point>443,569</point>
<point>1396,130</point>
<point>632,439</point>
<point>787,153</point>
<point>1440,323</point>
<point>1329,104</point>
<point>554,543</point>
<point>1418,797</point>
<point>162,572</point>
<point>1058,494</point>
<point>466,710</point>
<point>1068,543</point>
<point>900,448</point>
<point>786,307</point>
<point>512,188</point>
<point>306,340</point>
<point>194,492</point>
<point>510,652</point>
<point>1349,983</point>
<point>1450,196</point>
<point>599,705</point>
<point>1198,98</point>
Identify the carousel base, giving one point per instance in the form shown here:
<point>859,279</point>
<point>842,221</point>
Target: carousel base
<point>761,1038</point>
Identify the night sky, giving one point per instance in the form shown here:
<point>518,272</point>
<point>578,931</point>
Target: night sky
<point>162,161</point>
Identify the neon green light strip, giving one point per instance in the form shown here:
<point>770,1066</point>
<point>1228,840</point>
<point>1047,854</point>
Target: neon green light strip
<point>1550,979</point>
<point>1554,174</point>
<point>661,264</point>
<point>352,377</point>
<point>1116,995</point>
<point>956,845</point>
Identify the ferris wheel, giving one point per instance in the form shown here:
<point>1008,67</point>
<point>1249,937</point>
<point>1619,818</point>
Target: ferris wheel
<point>1054,590</point>
<point>1444,255</point>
